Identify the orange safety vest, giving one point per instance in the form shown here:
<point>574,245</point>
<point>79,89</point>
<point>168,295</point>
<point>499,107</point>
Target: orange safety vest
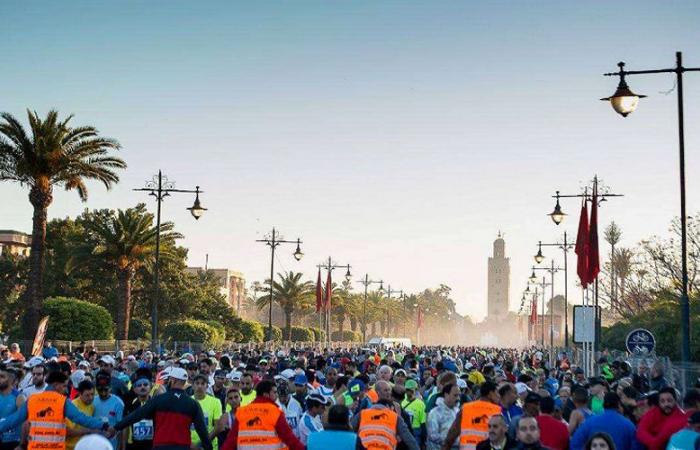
<point>256,427</point>
<point>475,423</point>
<point>373,396</point>
<point>47,427</point>
<point>377,429</point>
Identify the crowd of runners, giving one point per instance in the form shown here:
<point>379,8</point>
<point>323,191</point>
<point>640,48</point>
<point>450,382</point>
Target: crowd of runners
<point>433,398</point>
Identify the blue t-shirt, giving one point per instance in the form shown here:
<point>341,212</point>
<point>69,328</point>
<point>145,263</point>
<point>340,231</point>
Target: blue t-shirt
<point>111,409</point>
<point>8,405</point>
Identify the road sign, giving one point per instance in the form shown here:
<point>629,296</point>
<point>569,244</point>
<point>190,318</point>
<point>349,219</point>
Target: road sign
<point>640,341</point>
<point>584,324</point>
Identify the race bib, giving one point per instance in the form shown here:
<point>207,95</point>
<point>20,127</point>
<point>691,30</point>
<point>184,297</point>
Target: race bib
<point>292,421</point>
<point>143,430</point>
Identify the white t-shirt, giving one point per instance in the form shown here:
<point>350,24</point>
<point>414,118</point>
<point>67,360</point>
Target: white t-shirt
<point>309,425</point>
<point>28,391</point>
<point>292,412</point>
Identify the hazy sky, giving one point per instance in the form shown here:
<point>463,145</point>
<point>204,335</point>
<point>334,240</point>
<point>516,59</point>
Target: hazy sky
<point>398,136</point>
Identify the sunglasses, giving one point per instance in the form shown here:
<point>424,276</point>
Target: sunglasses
<point>139,385</point>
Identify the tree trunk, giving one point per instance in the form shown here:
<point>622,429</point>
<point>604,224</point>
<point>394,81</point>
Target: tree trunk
<point>40,197</point>
<point>124,277</point>
<point>374,328</point>
<point>288,324</point>
<point>353,324</point>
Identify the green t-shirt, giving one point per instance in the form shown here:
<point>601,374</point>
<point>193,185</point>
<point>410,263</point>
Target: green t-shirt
<point>211,407</point>
<point>416,410</point>
<point>247,399</point>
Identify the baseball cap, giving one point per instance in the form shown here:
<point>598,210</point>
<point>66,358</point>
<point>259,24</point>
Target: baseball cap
<point>93,442</point>
<point>461,383</point>
<point>400,371</point>
<point>178,373</point>
<point>288,373</point>
<point>411,384</point>
<point>107,359</point>
<point>315,397</point>
<point>356,386</point>
<point>235,376</point>
<point>521,387</point>
<point>300,380</point>
<point>262,361</point>
<point>33,362</point>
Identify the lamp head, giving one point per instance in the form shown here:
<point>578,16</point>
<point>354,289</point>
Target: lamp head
<point>298,254</point>
<point>348,275</point>
<point>539,257</point>
<point>557,215</point>
<point>533,277</point>
<point>623,101</point>
<point>196,209</point>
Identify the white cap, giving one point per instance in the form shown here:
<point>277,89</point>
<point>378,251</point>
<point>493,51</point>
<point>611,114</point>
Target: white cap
<point>184,362</point>
<point>108,359</point>
<point>521,387</point>
<point>178,373</point>
<point>166,373</point>
<point>280,354</point>
<point>461,383</point>
<point>76,377</point>
<point>235,376</point>
<point>288,374</point>
<point>84,363</point>
<point>93,442</point>
<point>211,353</point>
<point>33,362</point>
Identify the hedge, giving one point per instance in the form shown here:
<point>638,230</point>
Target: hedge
<point>347,336</point>
<point>319,334</point>
<point>139,329</point>
<point>250,331</point>
<point>71,319</point>
<point>302,334</point>
<point>191,331</point>
<point>219,328</point>
<point>276,333</point>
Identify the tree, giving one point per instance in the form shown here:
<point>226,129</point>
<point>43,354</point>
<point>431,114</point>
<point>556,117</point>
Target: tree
<point>292,295</point>
<point>126,241</point>
<point>54,154</point>
<point>612,235</point>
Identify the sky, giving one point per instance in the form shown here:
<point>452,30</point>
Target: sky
<point>396,136</point>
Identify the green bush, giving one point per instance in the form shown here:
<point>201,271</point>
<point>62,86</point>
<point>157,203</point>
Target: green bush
<point>347,336</point>
<point>71,319</point>
<point>302,334</point>
<point>220,336</point>
<point>276,333</point>
<point>319,334</point>
<point>191,331</point>
<point>250,331</point>
<point>139,329</point>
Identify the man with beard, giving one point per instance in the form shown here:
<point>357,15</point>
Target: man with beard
<point>528,434</point>
<point>659,423</point>
<point>498,435</point>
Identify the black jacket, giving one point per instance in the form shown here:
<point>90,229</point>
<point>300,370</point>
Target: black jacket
<point>486,444</point>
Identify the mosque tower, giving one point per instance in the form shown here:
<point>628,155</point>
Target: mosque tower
<point>498,281</point>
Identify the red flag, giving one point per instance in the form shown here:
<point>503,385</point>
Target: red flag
<point>319,293</point>
<point>329,291</point>
<point>420,319</point>
<point>581,249</point>
<point>593,255</point>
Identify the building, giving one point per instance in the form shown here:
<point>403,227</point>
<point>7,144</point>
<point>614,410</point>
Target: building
<point>232,285</point>
<point>498,281</point>
<point>15,243</point>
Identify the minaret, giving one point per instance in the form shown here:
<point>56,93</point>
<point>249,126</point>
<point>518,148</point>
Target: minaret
<point>498,280</point>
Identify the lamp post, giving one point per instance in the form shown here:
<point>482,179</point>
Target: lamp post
<point>330,267</point>
<point>552,270</point>
<point>558,217</point>
<point>273,241</point>
<point>624,101</point>
<point>160,187</point>
<point>389,292</point>
<point>366,282</point>
<point>539,257</point>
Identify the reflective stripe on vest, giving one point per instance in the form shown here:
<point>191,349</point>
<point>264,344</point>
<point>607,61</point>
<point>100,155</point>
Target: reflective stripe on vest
<point>377,429</point>
<point>475,423</point>
<point>256,427</point>
<point>45,414</point>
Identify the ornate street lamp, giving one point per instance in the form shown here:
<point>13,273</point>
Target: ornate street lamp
<point>623,101</point>
<point>196,209</point>
<point>557,215</point>
<point>539,257</point>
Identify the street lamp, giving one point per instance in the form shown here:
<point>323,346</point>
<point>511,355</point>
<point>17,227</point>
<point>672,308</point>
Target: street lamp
<point>160,187</point>
<point>624,102</point>
<point>367,282</point>
<point>557,215</point>
<point>539,257</point>
<point>533,277</point>
<point>566,246</point>
<point>273,241</point>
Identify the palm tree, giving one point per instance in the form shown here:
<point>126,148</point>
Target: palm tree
<point>126,242</point>
<point>612,235</point>
<point>292,295</point>
<point>54,154</point>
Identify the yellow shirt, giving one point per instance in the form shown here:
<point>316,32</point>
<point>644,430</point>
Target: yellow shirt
<point>247,399</point>
<point>88,410</point>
